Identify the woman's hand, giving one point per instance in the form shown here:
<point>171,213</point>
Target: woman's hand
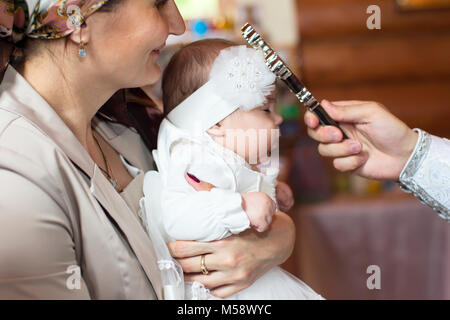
<point>237,261</point>
<point>379,145</point>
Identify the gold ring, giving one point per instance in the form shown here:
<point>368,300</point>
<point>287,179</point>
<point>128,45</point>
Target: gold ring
<point>203,267</point>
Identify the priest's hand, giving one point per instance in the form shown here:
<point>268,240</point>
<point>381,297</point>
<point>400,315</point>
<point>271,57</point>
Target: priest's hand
<point>379,144</point>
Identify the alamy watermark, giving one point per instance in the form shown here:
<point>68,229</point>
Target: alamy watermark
<point>374,20</point>
<point>73,282</point>
<point>374,280</point>
<point>255,146</point>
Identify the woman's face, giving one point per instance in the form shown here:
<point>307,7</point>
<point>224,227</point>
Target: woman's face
<point>124,44</point>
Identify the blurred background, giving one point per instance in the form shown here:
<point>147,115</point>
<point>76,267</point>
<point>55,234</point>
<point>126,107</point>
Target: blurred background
<point>344,223</point>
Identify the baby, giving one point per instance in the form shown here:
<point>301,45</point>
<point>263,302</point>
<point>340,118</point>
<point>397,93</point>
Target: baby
<point>221,128</point>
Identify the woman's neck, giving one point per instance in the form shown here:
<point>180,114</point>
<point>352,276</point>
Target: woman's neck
<point>74,96</point>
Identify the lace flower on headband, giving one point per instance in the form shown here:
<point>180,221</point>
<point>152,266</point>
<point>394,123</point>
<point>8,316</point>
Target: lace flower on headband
<point>241,77</point>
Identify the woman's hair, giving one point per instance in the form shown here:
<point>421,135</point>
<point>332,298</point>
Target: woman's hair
<point>189,69</point>
<point>111,5</point>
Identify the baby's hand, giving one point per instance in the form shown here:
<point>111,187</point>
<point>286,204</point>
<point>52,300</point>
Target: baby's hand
<point>285,196</point>
<point>260,209</point>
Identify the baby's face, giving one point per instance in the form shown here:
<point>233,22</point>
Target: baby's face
<point>253,134</point>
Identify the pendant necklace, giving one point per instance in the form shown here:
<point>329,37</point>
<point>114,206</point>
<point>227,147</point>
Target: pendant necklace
<point>107,171</point>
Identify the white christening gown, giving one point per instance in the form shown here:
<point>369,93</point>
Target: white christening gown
<point>173,210</point>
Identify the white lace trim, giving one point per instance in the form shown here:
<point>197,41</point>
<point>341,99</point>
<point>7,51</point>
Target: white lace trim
<point>169,265</point>
<point>197,291</point>
<point>423,173</point>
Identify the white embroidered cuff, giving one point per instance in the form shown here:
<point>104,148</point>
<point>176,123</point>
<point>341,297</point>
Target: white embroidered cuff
<point>427,173</point>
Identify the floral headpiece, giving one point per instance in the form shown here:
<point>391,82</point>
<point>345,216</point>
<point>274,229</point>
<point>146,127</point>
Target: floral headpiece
<point>239,79</point>
<point>43,19</point>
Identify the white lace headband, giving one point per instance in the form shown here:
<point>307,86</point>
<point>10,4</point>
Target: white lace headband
<point>239,78</point>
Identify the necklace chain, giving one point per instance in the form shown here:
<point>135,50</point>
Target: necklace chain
<point>108,170</point>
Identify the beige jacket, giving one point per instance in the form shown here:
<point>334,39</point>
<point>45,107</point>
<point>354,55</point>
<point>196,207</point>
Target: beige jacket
<point>65,233</point>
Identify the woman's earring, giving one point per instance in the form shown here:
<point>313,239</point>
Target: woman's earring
<point>82,52</point>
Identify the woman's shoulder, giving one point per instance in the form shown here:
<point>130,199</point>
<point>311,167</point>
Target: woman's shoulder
<point>24,148</point>
<point>16,129</point>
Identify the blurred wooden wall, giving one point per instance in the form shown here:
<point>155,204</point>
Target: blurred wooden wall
<point>405,65</point>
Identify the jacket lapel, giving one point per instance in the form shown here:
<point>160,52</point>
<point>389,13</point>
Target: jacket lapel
<point>19,97</point>
<point>126,142</point>
<point>141,244</point>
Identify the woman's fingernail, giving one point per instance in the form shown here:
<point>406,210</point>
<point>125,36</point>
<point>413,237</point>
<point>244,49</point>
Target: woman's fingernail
<point>193,178</point>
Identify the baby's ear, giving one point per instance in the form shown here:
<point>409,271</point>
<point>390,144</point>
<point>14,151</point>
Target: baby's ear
<point>216,131</point>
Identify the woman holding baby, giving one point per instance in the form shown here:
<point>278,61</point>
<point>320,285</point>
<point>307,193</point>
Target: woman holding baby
<point>71,176</point>
<point>71,172</point>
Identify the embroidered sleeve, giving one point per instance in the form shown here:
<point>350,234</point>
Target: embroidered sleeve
<point>427,173</point>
